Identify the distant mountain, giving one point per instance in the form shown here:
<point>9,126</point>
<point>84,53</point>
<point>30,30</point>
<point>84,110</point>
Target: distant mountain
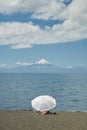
<point>43,68</point>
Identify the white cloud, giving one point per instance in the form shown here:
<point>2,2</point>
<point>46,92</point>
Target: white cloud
<point>69,67</point>
<point>11,6</point>
<point>24,64</point>
<point>25,35</point>
<point>76,12</point>
<point>2,65</point>
<point>41,9</point>
<point>49,10</point>
<point>5,66</point>
<point>46,9</point>
<point>19,35</point>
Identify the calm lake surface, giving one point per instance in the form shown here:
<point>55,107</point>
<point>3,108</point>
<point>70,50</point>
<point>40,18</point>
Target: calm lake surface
<point>18,89</point>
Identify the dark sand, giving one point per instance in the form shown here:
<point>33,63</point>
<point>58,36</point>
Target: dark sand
<point>29,120</point>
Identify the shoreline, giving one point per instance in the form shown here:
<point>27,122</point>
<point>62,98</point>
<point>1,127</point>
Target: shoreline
<point>30,120</point>
<point>32,110</point>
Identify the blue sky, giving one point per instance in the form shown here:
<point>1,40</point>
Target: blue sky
<point>53,30</point>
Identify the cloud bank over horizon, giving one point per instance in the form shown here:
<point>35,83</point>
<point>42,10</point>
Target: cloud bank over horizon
<point>73,27</point>
<point>41,62</point>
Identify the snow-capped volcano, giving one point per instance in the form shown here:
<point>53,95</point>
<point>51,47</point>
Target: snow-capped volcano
<point>42,62</point>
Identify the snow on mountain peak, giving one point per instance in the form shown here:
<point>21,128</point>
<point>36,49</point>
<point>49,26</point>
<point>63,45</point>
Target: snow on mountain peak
<point>42,62</point>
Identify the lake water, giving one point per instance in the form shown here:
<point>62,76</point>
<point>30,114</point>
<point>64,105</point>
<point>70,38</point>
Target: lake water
<point>18,89</point>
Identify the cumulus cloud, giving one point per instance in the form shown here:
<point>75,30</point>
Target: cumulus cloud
<point>18,5</point>
<point>41,9</point>
<point>50,10</point>
<point>20,35</point>
<point>25,35</point>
